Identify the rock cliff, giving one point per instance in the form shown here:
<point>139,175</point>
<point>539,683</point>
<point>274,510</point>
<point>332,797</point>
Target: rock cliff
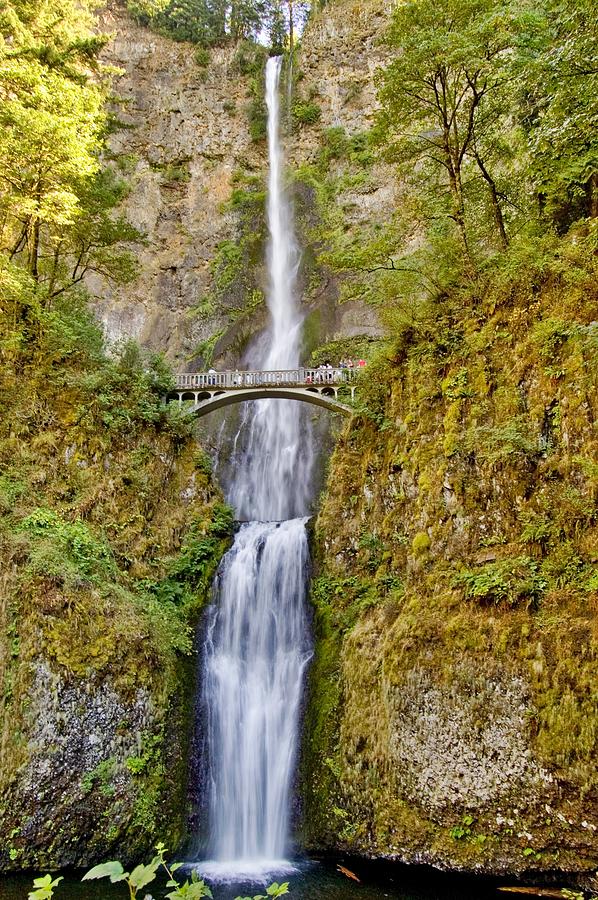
<point>452,717</point>
<point>183,141</point>
<point>110,532</point>
<point>181,135</point>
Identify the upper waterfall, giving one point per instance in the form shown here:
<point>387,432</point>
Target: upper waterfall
<point>273,478</point>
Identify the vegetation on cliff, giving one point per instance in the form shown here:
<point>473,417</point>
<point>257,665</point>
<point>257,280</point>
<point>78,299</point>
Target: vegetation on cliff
<point>109,526</point>
<point>452,715</point>
<point>217,22</point>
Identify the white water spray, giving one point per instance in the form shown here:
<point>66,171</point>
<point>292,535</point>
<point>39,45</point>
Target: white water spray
<point>257,643</point>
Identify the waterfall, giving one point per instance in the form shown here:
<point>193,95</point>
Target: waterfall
<point>274,474</point>
<point>257,643</point>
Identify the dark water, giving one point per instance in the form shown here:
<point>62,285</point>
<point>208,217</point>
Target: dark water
<point>312,881</point>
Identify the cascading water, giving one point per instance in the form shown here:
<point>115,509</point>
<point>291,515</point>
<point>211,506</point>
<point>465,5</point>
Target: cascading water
<point>257,640</point>
<point>273,479</point>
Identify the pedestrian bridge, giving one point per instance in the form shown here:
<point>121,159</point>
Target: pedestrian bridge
<point>331,388</point>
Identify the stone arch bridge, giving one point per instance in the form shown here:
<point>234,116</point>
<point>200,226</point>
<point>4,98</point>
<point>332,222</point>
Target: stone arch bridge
<point>327,387</point>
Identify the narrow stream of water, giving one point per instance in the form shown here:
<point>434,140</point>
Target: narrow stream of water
<point>257,643</point>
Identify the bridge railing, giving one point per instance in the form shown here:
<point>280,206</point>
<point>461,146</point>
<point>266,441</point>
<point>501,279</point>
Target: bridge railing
<point>303,376</point>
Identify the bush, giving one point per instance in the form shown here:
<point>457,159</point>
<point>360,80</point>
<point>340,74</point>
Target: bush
<point>202,57</point>
<point>512,582</point>
<point>306,113</point>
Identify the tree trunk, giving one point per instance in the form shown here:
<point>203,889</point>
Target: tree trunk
<point>496,210</point>
<point>35,233</point>
<point>458,208</point>
<point>592,194</point>
<point>34,249</point>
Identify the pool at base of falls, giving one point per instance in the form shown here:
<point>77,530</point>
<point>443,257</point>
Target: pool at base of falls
<point>309,880</point>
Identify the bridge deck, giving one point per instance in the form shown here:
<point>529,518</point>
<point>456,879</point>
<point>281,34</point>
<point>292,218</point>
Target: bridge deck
<point>233,379</point>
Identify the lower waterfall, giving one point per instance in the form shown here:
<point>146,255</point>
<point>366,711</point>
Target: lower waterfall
<point>256,651</point>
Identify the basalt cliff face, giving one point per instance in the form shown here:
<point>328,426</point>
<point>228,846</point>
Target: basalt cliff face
<point>184,134</point>
<point>189,140</point>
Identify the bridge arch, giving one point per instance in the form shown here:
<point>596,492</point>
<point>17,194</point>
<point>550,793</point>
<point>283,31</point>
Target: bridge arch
<point>205,403</point>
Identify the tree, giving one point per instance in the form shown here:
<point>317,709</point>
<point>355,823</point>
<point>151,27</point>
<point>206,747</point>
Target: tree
<point>560,110</point>
<point>443,95</point>
<point>51,122</point>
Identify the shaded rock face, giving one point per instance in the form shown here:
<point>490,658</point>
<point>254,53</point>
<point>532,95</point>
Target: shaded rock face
<point>80,736</point>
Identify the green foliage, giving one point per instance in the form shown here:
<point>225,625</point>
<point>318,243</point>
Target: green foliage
<point>214,23</point>
<point>43,888</point>
<point>443,98</point>
<point>357,347</point>
<point>499,442</point>
<point>202,57</point>
<point>142,875</point>
<point>66,550</point>
<point>463,830</point>
<point>274,890</point>
<point>57,207</point>
<point>306,113</point>
<point>562,80</point>
<point>257,118</point>
<point>51,120</point>
<point>511,582</point>
<point>191,571</point>
<point>227,265</point>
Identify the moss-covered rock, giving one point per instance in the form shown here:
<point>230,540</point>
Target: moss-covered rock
<point>110,532</point>
<point>452,715</point>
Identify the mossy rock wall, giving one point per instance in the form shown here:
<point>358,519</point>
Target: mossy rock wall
<point>453,715</point>
<point>110,532</point>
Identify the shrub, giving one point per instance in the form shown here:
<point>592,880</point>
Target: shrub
<point>306,113</point>
<point>512,582</point>
<point>202,57</point>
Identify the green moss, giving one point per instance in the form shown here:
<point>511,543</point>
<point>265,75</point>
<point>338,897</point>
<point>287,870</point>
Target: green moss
<point>472,435</point>
<point>110,531</point>
<point>421,543</point>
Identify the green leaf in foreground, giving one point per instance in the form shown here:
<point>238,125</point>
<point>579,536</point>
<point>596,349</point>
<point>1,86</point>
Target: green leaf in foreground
<point>112,870</point>
<point>43,887</point>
